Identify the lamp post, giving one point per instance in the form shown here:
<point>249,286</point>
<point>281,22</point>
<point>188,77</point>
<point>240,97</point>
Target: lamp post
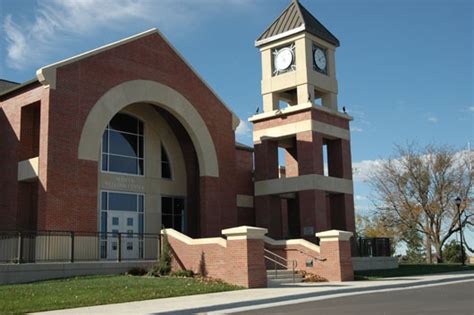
<point>458,204</point>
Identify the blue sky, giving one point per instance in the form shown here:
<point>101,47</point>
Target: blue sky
<point>405,67</point>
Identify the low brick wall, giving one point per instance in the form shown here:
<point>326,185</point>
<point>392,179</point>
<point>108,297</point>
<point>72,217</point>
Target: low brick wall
<point>332,260</point>
<point>237,260</point>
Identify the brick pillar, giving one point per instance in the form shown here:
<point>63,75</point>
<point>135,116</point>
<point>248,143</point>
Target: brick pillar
<point>309,146</point>
<point>339,158</point>
<point>267,208</point>
<point>266,160</point>
<point>336,249</point>
<point>314,214</point>
<point>244,259</point>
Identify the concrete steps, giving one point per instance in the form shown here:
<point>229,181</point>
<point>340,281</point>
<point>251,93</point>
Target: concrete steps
<point>282,277</point>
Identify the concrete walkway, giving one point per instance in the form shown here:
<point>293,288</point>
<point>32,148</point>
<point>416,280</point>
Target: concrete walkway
<point>237,301</point>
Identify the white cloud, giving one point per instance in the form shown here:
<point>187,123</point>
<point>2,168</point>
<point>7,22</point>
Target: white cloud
<point>470,108</point>
<point>361,171</point>
<point>356,129</point>
<point>243,130</point>
<point>360,197</point>
<point>433,119</point>
<point>57,23</point>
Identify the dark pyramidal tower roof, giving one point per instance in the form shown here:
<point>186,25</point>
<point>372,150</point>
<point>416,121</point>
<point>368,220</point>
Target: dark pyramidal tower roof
<point>296,17</point>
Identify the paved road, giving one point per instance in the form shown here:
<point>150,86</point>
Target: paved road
<point>446,299</point>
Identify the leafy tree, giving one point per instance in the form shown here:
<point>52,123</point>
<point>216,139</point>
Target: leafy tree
<point>415,251</point>
<point>452,252</point>
<point>417,188</point>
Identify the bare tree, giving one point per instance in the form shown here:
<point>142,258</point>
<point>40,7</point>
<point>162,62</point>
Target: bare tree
<point>417,189</point>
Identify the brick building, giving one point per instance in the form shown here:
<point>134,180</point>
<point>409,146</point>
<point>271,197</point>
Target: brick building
<point>129,138</point>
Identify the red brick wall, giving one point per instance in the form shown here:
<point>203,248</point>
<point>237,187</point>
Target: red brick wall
<point>241,262</point>
<point>334,261</point>
<point>16,144</point>
<point>244,170</point>
<point>68,193</point>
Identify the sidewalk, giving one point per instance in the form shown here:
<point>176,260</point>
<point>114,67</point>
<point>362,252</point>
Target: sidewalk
<point>227,302</point>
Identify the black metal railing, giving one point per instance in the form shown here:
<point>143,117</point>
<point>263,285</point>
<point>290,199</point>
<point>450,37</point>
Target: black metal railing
<point>372,247</point>
<point>68,246</point>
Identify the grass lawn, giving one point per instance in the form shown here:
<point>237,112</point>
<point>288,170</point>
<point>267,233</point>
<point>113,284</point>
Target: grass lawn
<point>410,270</point>
<point>96,290</point>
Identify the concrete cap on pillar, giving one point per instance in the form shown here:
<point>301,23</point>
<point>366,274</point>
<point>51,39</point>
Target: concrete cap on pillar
<point>334,235</point>
<point>244,232</point>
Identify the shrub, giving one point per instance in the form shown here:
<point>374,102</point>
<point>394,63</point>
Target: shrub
<point>163,267</point>
<point>182,273</point>
<point>137,271</point>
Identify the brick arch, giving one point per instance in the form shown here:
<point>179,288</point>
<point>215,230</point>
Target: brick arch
<point>144,91</point>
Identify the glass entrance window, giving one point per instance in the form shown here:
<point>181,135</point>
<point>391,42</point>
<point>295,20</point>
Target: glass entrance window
<point>123,145</point>
<point>122,213</point>
<point>173,213</point>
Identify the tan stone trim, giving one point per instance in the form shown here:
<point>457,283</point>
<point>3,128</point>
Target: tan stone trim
<point>301,126</point>
<point>297,108</point>
<point>244,232</point>
<point>299,241</point>
<point>301,183</point>
<point>150,92</point>
<point>334,235</point>
<point>244,201</point>
<point>28,169</point>
<point>195,241</point>
<point>47,74</point>
<point>262,42</point>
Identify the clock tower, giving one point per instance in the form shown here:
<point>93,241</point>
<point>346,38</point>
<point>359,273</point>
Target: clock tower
<point>301,121</point>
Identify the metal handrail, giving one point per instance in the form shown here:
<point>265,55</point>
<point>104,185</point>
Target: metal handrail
<point>293,262</point>
<point>309,255</point>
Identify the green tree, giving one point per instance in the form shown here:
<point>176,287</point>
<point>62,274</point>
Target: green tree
<point>452,252</point>
<point>415,249</point>
<point>163,267</point>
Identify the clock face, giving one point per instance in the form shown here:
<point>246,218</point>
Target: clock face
<point>320,59</point>
<point>283,59</point>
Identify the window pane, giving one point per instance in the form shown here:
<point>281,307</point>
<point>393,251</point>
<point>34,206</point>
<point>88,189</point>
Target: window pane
<point>105,141</point>
<point>178,206</point>
<point>123,165</point>
<point>140,147</point>
<point>140,127</point>
<point>141,204</point>
<point>124,202</point>
<point>166,205</point>
<point>164,154</point>
<point>123,144</point>
<point>140,167</point>
<point>167,221</point>
<point>129,221</point>
<point>105,164</point>
<point>103,197</point>
<point>165,170</point>
<point>140,223</point>
<point>178,223</point>
<point>124,122</point>
<point>103,223</point>
<point>115,221</point>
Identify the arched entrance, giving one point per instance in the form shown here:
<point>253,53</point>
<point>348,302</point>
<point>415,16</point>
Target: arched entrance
<point>151,92</point>
<point>143,162</point>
